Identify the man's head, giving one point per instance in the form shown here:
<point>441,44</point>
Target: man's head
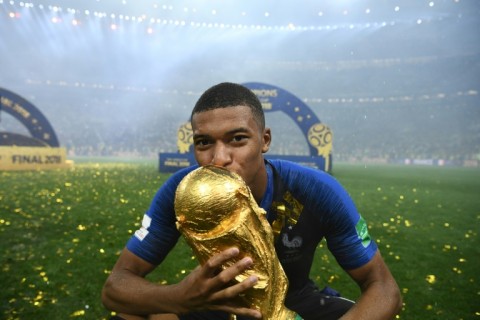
<point>229,131</point>
<point>227,94</point>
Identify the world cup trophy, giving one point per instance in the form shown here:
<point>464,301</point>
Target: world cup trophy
<point>216,210</point>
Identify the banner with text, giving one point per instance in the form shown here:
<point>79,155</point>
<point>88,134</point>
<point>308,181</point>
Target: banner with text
<point>32,158</point>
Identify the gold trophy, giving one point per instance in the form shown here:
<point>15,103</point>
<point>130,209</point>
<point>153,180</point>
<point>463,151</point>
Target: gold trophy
<point>216,210</point>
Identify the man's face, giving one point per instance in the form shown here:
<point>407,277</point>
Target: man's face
<point>231,138</point>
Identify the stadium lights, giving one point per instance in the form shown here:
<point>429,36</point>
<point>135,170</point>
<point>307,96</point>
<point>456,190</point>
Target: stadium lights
<point>331,100</point>
<point>195,18</point>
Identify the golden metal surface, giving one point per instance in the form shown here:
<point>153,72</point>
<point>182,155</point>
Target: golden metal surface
<point>215,210</point>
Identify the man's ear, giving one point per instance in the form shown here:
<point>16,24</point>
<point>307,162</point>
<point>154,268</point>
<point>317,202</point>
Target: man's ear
<point>267,139</point>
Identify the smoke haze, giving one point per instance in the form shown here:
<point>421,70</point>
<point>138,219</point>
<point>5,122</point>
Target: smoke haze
<point>392,81</point>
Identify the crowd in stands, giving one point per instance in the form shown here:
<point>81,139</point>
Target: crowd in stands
<point>445,129</point>
<point>391,91</point>
<point>417,119</point>
<point>392,133</point>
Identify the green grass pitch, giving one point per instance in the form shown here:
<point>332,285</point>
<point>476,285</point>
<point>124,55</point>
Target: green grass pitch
<point>61,232</point>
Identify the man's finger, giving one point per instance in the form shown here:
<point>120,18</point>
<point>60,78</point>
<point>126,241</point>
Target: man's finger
<point>214,263</point>
<point>235,289</point>
<point>229,274</point>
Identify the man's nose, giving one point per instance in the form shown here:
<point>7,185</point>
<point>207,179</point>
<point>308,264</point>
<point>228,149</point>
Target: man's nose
<point>221,156</point>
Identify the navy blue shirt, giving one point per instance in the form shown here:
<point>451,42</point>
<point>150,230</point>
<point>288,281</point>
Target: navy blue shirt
<point>303,205</point>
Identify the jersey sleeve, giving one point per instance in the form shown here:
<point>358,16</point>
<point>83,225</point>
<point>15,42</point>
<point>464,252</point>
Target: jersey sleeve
<point>345,230</point>
<point>158,233</point>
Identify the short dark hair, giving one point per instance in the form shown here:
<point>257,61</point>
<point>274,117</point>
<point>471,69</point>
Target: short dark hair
<point>227,94</point>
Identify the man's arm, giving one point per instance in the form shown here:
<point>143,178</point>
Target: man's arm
<point>380,298</point>
<point>127,291</point>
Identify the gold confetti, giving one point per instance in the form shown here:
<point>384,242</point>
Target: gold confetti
<point>431,278</point>
<point>44,235</point>
<point>78,313</point>
<point>457,270</point>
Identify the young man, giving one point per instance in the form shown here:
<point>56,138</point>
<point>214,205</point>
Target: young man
<point>229,131</point>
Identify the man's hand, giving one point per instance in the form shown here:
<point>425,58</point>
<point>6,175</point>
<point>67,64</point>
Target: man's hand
<point>205,288</point>
<point>210,288</point>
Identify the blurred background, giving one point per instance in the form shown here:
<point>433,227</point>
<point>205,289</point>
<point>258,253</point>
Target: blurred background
<point>396,81</point>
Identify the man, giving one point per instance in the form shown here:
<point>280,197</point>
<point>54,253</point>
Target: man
<point>303,206</point>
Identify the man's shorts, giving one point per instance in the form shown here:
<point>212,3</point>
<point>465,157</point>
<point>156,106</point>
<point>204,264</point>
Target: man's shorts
<point>309,302</point>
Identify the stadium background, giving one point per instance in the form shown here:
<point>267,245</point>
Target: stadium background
<point>394,80</point>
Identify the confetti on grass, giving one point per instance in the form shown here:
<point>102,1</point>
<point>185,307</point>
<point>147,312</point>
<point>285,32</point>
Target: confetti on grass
<point>62,231</point>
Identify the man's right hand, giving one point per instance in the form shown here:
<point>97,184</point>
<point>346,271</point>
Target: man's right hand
<point>208,287</point>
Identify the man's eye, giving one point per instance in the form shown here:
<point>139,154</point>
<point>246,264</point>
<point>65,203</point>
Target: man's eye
<point>201,142</point>
<point>239,138</point>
